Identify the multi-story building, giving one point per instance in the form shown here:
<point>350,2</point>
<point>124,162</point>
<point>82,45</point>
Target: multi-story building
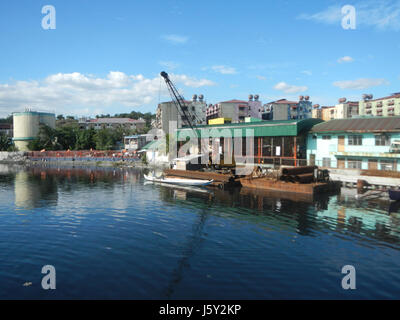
<point>343,110</point>
<point>236,110</point>
<point>382,107</point>
<point>359,143</point>
<point>168,112</point>
<point>284,109</point>
<point>102,123</point>
<point>346,109</point>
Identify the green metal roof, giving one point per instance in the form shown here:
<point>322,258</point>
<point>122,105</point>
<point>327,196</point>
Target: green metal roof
<point>153,145</point>
<point>33,113</point>
<point>260,129</point>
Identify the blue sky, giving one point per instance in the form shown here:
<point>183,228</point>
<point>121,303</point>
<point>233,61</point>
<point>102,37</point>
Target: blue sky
<point>106,56</point>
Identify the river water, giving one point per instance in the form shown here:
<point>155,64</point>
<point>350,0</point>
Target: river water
<point>110,235</point>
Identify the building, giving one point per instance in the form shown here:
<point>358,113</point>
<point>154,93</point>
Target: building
<point>359,143</point>
<point>346,109</point>
<point>272,143</point>
<point>284,109</point>
<point>236,110</point>
<point>343,110</point>
<point>382,107</point>
<point>167,112</point>
<point>6,129</point>
<point>113,123</point>
<point>137,142</point>
<point>27,124</point>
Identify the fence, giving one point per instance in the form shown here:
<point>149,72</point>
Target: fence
<point>82,155</point>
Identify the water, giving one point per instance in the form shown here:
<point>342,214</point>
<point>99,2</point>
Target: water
<point>110,236</point>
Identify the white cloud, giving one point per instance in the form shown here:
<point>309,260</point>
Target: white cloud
<point>382,15</point>
<point>330,15</point>
<point>261,77</point>
<point>191,82</point>
<point>287,88</point>
<point>170,65</point>
<point>224,69</point>
<point>307,72</point>
<point>175,38</point>
<point>345,59</point>
<point>80,94</point>
<point>360,84</point>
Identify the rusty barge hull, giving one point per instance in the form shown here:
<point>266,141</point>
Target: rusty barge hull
<point>281,186</point>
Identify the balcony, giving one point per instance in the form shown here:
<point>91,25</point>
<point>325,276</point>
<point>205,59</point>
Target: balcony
<point>367,154</point>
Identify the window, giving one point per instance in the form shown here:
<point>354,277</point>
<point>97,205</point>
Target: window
<point>388,165</point>
<point>355,140</point>
<point>326,137</point>
<point>382,140</point>
<point>326,162</point>
<point>354,164</point>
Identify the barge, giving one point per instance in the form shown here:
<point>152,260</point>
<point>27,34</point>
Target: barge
<point>307,180</point>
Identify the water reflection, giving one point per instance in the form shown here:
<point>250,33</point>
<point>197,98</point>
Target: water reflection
<point>109,218</point>
<point>39,187</point>
<point>301,214</point>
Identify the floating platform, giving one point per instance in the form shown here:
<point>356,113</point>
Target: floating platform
<point>266,184</point>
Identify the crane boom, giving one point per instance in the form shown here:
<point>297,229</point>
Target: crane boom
<point>178,100</point>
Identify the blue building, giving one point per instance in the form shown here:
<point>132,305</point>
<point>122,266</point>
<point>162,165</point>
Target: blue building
<point>356,143</point>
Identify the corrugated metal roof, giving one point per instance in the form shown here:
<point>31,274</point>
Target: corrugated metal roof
<point>261,129</point>
<point>152,145</point>
<point>381,124</point>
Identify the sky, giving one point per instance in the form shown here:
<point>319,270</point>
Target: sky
<point>106,56</point>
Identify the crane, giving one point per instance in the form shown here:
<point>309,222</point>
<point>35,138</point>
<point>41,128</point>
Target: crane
<point>179,102</point>
<point>187,116</point>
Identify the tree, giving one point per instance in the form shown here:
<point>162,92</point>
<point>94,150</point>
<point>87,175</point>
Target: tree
<point>104,139</point>
<point>5,142</point>
<point>47,139</point>
<point>66,137</point>
<point>85,139</point>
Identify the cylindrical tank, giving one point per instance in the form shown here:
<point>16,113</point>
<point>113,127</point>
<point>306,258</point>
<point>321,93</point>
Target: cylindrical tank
<point>342,100</point>
<point>27,124</point>
<point>194,97</point>
<point>256,97</point>
<point>307,98</point>
<point>301,98</point>
<point>250,97</point>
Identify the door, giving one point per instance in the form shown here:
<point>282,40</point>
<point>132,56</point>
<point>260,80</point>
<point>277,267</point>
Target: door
<point>372,164</point>
<point>341,144</point>
<point>341,163</point>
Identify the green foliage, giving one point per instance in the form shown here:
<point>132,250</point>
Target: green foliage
<point>9,120</point>
<point>47,139</point>
<point>68,134</point>
<point>144,159</point>
<point>85,139</point>
<point>66,137</point>
<point>6,143</point>
<point>104,139</point>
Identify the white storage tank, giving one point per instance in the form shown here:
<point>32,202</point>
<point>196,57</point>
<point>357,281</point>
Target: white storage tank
<point>27,124</point>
